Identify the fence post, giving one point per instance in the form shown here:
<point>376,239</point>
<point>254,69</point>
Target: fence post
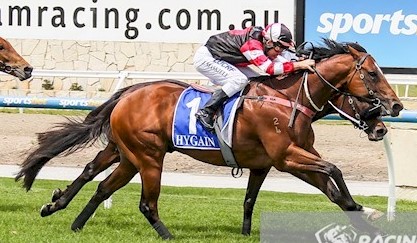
<point>109,201</point>
<point>391,179</point>
<point>122,76</point>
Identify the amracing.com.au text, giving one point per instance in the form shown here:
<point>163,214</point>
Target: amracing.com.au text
<point>130,19</point>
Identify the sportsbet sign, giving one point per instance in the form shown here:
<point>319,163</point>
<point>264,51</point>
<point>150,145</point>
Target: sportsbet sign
<point>363,23</point>
<point>387,29</point>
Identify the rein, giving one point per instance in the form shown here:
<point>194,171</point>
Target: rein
<point>359,123</point>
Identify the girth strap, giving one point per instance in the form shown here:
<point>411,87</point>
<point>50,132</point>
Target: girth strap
<point>226,151</point>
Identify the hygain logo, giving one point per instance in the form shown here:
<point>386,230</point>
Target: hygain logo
<point>340,23</point>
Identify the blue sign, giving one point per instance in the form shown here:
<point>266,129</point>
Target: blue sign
<point>386,28</point>
<point>51,103</point>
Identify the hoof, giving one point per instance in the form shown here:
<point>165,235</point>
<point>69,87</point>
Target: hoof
<point>76,228</point>
<point>56,194</point>
<point>45,210</point>
<point>168,237</point>
<point>246,228</point>
<point>375,215</point>
<point>372,214</point>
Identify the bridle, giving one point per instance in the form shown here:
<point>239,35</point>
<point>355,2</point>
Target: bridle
<point>375,101</point>
<point>359,118</point>
<point>6,68</point>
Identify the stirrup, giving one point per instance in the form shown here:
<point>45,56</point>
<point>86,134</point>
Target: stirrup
<point>201,116</point>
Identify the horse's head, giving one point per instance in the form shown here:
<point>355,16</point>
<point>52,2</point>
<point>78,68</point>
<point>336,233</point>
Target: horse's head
<point>348,68</point>
<point>368,80</point>
<point>12,63</point>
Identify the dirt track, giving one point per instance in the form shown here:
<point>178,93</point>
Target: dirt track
<point>343,145</point>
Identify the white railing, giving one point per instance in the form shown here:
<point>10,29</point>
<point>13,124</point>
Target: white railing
<point>402,79</point>
<point>121,76</point>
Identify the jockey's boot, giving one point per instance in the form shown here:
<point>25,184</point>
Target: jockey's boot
<point>206,114</point>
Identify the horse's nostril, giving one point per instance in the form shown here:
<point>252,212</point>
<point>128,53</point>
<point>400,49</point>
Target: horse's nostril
<point>381,132</point>
<point>396,108</point>
<point>28,69</point>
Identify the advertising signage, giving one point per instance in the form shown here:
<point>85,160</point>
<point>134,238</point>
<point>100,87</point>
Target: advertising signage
<point>386,28</point>
<point>180,21</point>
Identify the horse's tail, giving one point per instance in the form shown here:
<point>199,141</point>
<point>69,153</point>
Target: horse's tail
<point>68,137</point>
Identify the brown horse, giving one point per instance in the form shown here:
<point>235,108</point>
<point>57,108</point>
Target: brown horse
<point>12,63</point>
<point>262,138</point>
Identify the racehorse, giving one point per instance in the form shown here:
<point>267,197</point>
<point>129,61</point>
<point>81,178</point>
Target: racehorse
<point>54,142</point>
<point>138,124</point>
<point>373,126</point>
<point>12,63</point>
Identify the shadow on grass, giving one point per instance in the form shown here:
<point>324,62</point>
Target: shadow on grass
<point>11,207</point>
<point>185,230</point>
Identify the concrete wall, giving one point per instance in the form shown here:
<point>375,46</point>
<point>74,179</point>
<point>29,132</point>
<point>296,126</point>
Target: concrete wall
<point>96,56</point>
<point>404,144</point>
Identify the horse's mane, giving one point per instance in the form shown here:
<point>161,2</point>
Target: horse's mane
<point>329,48</point>
<point>356,46</point>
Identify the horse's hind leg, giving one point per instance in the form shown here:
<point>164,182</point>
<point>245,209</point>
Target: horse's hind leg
<point>151,186</point>
<point>116,180</point>
<point>61,199</point>
<point>256,178</point>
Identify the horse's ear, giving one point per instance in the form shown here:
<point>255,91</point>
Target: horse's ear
<point>346,48</point>
<point>352,51</point>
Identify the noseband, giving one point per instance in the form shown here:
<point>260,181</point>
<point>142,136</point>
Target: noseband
<point>6,68</point>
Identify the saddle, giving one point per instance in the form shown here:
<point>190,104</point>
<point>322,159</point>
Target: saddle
<point>186,129</point>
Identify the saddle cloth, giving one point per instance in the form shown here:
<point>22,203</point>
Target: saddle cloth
<point>187,131</point>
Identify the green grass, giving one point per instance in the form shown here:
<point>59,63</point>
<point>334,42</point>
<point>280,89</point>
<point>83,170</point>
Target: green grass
<point>412,92</point>
<point>191,214</point>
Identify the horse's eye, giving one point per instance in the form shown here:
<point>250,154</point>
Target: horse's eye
<point>373,74</point>
<point>1,47</point>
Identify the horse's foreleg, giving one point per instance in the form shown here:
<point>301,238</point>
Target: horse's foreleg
<point>256,178</point>
<point>318,172</point>
<point>337,176</point>
<point>116,180</point>
<point>61,199</point>
<point>325,184</point>
<point>342,196</point>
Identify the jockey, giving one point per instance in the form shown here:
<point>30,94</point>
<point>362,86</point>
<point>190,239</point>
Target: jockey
<point>224,59</point>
